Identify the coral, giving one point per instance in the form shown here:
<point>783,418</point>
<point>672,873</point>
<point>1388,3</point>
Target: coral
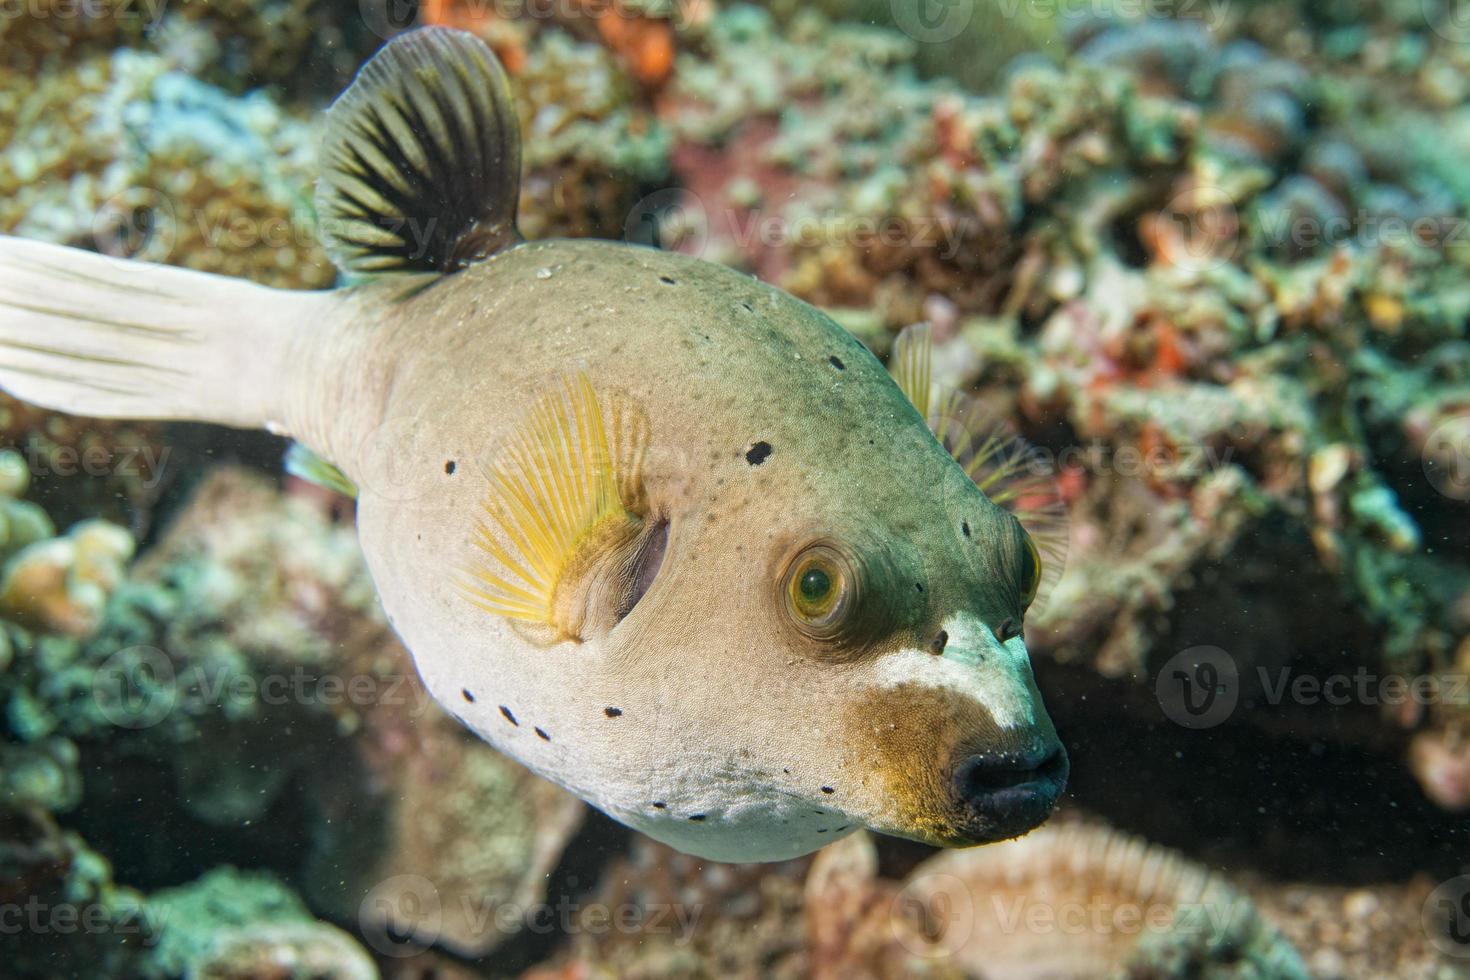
<point>65,916</point>
<point>260,611</point>
<point>244,657</point>
<point>62,584</point>
<point>830,169</point>
<point>1085,901</point>
<point>124,154</point>
<point>80,468</point>
<point>234,926</point>
<point>972,44</point>
<point>39,33</point>
<point>658,913</point>
<point>59,584</point>
<point>862,925</point>
<point>1360,933</point>
<point>589,143</point>
<point>468,832</point>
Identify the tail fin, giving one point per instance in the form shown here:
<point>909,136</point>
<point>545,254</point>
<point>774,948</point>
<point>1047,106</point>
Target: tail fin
<point>92,335</point>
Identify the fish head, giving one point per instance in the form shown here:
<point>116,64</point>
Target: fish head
<point>830,636</point>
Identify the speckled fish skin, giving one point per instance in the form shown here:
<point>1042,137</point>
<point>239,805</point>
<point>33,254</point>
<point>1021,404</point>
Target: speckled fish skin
<point>730,734</point>
<point>706,709</point>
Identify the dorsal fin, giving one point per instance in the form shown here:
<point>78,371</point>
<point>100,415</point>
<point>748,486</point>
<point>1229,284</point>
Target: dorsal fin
<point>1005,467</point>
<point>421,161</point>
<point>910,362</point>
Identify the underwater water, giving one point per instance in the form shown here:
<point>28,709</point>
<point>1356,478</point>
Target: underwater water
<point>998,506</point>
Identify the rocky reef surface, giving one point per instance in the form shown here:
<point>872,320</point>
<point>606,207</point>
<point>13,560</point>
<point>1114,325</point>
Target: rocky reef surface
<point>1210,263</point>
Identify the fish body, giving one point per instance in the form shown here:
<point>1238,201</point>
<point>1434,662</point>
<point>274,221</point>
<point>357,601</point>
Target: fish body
<point>663,533</point>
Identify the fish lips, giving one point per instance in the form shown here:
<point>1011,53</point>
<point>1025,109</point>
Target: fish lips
<point>1004,795</point>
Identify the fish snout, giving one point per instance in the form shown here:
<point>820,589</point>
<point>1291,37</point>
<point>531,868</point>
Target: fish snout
<point>1006,793</point>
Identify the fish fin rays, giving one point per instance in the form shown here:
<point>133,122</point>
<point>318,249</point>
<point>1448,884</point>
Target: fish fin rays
<point>554,489</point>
<point>911,365</point>
<point>1009,471</point>
<point>421,161</point>
<point>98,336</point>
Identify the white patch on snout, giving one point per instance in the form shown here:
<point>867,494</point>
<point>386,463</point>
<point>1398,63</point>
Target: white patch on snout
<point>974,664</point>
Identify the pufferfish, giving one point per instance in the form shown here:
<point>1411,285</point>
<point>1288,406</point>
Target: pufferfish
<point>664,534</point>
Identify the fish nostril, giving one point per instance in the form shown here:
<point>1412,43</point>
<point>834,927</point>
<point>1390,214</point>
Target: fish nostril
<point>940,641</point>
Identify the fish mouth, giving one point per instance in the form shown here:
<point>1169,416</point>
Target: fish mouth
<point>1003,795</point>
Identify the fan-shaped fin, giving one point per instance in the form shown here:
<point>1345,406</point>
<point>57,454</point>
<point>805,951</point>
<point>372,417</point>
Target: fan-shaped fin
<point>422,158</point>
<point>553,494</point>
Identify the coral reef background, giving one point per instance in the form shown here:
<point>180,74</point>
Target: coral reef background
<point>1211,261</point>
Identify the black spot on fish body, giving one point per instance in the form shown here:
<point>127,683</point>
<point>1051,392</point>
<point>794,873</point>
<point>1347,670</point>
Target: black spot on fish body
<point>828,789</point>
<point>449,467</point>
<point>660,805</point>
<point>758,453</point>
<point>467,695</point>
<point>612,712</point>
<point>508,716</point>
<point>836,362</point>
<point>542,735</point>
<point>696,818</point>
<point>668,280</point>
<point>965,528</point>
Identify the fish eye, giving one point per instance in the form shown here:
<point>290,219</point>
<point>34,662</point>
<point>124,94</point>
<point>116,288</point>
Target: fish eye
<point>1030,571</point>
<point>821,587</point>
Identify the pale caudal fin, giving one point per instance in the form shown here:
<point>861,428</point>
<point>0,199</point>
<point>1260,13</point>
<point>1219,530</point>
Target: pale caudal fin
<point>92,335</point>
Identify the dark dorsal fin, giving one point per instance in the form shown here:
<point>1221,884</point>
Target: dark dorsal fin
<point>421,162</point>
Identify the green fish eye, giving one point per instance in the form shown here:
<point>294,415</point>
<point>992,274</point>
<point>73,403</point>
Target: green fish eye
<point>815,584</point>
<point>820,586</point>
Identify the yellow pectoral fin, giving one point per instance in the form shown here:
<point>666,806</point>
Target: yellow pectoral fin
<point>552,495</point>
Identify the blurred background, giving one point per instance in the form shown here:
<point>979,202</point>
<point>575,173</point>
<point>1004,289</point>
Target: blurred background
<point>1208,257</point>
